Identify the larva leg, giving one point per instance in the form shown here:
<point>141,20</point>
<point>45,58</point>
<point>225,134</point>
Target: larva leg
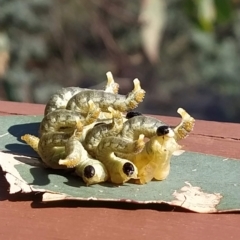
<point>186,125</point>
<point>104,100</point>
<point>92,114</point>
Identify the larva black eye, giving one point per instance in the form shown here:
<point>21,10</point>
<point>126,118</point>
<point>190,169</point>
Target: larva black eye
<point>128,169</point>
<point>89,171</point>
<point>162,130</point>
<point>133,114</point>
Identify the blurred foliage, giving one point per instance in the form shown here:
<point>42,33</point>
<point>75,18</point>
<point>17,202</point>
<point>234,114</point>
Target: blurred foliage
<point>185,53</point>
<point>4,53</point>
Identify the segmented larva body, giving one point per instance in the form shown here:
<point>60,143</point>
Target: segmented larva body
<point>103,99</point>
<point>67,120</point>
<point>103,130</point>
<point>60,99</point>
<point>48,149</point>
<point>141,124</point>
<point>52,147</point>
<point>120,170</point>
<point>61,120</point>
<point>62,151</point>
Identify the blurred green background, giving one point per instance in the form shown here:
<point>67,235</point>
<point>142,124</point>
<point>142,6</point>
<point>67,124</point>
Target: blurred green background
<point>186,53</point>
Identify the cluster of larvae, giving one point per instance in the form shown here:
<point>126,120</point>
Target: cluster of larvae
<point>97,134</point>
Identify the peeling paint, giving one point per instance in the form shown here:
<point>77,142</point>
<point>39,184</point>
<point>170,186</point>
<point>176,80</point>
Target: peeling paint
<point>51,196</point>
<point>13,160</point>
<point>16,182</point>
<point>193,198</point>
<point>187,196</point>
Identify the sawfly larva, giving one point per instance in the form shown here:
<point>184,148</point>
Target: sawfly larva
<point>120,170</point>
<point>60,99</point>
<point>104,100</point>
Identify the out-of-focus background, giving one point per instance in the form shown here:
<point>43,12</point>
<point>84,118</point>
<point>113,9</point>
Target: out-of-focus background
<point>185,53</point>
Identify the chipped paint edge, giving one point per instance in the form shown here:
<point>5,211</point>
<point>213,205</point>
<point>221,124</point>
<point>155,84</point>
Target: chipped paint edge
<point>19,185</point>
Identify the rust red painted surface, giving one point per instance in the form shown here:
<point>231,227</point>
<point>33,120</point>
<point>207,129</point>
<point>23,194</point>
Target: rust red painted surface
<point>31,220</point>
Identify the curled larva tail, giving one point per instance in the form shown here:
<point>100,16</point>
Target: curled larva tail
<point>31,140</point>
<point>111,86</point>
<point>135,97</point>
<point>186,125</point>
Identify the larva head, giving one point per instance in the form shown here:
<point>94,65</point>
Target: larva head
<point>92,173</point>
<point>122,171</point>
<point>89,171</point>
<point>128,169</point>
<point>164,131</point>
<point>132,114</point>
